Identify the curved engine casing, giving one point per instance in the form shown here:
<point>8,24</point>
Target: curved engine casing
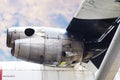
<point>49,51</point>
<point>48,46</point>
<point>15,33</point>
<point>29,49</point>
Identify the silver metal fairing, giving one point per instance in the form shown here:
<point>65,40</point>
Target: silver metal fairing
<point>13,34</point>
<point>48,51</point>
<point>48,46</point>
<point>30,49</point>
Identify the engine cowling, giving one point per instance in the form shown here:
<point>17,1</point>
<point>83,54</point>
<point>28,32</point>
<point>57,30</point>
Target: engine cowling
<point>18,33</point>
<point>48,51</point>
<point>29,49</point>
<point>49,46</point>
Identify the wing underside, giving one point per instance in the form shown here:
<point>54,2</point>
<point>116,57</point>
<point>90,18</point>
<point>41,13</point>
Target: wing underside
<point>95,23</point>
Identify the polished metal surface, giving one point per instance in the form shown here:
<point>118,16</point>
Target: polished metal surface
<point>46,46</point>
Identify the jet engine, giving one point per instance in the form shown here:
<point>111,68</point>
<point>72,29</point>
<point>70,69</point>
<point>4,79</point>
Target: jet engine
<point>45,46</point>
<point>48,51</point>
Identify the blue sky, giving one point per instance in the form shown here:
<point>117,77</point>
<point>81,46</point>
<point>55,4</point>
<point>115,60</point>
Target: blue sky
<point>49,13</point>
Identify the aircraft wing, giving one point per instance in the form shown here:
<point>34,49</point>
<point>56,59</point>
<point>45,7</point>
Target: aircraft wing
<point>20,70</point>
<point>95,23</point>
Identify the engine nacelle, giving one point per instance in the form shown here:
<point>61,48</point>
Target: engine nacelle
<point>29,49</point>
<point>49,46</point>
<point>18,33</point>
<point>48,51</point>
